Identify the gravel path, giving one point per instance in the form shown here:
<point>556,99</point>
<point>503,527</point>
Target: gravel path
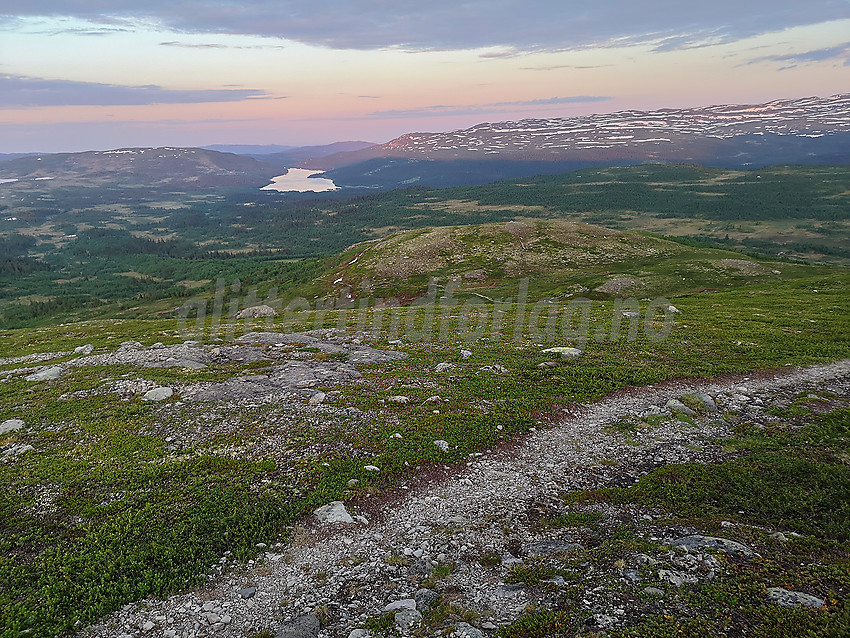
<point>346,573</point>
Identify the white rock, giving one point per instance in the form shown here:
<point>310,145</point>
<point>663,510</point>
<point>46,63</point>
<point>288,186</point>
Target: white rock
<point>256,311</point>
<point>787,598</point>
<point>48,374</point>
<point>443,445</point>
<point>86,349</point>
<point>443,367</point>
<point>371,468</point>
<point>333,512</point>
<point>317,398</point>
<point>158,394</point>
<point>10,425</point>
<point>399,398</point>
<point>566,353</point>
<point>465,354</point>
<point>406,603</point>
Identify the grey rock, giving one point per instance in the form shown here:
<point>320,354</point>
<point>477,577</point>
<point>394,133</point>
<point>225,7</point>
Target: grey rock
<point>247,592</point>
<point>255,312</point>
<point>10,425</point>
<point>673,309</point>
<point>707,402</point>
<point>86,349</point>
<point>697,542</point>
<point>465,630</point>
<point>360,633</point>
<point>333,512</point>
<point>546,364</point>
<point>787,598</point>
<point>317,398</point>
<point>653,591</point>
<point>425,598</point>
<point>371,468</point>
<point>306,626</point>
<point>408,619</point>
<point>443,445</point>
<point>465,354</point>
<point>48,374</point>
<point>564,352</point>
<point>443,367</point>
<point>158,394</point>
<point>397,605</point>
<point>495,368</point>
<point>399,398</point>
<point>676,406</point>
<point>548,548</point>
<point>675,578</point>
<point>14,450</point>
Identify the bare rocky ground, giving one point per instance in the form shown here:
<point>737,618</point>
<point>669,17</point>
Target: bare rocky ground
<point>433,557</point>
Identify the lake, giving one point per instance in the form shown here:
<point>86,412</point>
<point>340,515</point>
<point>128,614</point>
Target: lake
<point>298,179</point>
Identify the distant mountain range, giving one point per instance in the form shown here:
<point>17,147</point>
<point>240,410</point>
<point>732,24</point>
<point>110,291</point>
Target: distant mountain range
<point>171,168</point>
<point>804,131</point>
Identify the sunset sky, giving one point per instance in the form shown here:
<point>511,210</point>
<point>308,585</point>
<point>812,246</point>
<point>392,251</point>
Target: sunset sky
<point>90,74</point>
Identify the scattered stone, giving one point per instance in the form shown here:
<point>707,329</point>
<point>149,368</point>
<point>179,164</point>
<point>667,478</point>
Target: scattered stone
<point>255,312</point>
<point>158,394</point>
<point>547,548</point>
<point>786,598</point>
<point>465,630</point>
<point>247,592</point>
<point>10,425</point>
<point>675,406</point>
<point>443,367</point>
<point>317,398</point>
<point>697,542</point>
<point>48,374</point>
<point>399,398</point>
<point>86,349</point>
<point>306,626</point>
<point>408,619</point>
<point>333,512</point>
<point>443,445</point>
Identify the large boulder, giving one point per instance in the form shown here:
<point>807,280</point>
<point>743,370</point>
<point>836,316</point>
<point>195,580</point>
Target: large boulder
<point>333,512</point>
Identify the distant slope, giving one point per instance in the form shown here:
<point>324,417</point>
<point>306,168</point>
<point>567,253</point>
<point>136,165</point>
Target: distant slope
<point>804,131</point>
<point>561,259</point>
<point>310,156</point>
<point>177,168</point>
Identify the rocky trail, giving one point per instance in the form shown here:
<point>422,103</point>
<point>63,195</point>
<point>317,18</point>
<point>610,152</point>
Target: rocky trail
<point>439,555</point>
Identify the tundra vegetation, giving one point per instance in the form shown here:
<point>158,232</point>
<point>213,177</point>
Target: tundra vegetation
<point>123,498</point>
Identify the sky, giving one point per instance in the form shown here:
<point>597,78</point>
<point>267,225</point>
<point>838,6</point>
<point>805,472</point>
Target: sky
<point>100,74</point>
